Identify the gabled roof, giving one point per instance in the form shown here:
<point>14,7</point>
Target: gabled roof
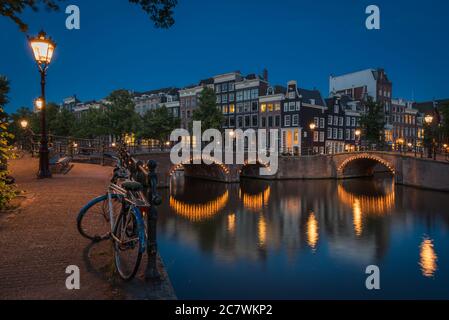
<point>314,94</point>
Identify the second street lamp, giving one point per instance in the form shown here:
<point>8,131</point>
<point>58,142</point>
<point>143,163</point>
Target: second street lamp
<point>312,127</point>
<point>43,49</point>
<point>430,145</point>
<point>358,134</point>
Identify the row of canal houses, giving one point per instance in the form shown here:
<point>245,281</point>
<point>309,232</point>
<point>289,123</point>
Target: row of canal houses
<point>251,102</point>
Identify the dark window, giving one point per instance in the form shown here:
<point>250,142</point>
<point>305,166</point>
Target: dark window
<point>264,122</point>
<point>278,121</point>
<point>270,122</point>
<point>255,117</point>
<point>247,123</point>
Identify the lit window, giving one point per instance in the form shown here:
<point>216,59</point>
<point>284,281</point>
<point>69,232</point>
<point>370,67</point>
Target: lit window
<point>263,107</point>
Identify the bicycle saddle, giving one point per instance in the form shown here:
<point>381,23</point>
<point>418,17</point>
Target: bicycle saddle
<point>132,186</point>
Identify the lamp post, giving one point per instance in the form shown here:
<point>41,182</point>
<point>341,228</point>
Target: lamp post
<point>358,134</point>
<point>428,120</point>
<point>43,48</point>
<point>312,127</point>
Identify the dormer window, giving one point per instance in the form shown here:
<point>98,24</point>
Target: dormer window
<point>291,95</point>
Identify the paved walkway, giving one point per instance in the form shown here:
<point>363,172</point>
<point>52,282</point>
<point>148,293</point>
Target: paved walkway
<point>39,240</point>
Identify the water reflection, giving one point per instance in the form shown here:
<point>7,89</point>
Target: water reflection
<point>256,230</point>
<point>312,231</point>
<point>428,261</point>
<point>199,211</point>
<point>255,202</point>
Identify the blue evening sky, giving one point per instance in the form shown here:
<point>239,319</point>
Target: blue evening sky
<point>118,47</point>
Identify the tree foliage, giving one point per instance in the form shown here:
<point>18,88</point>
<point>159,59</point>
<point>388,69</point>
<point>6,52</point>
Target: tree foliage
<point>158,124</point>
<point>6,190</point>
<point>444,112</point>
<point>159,11</point>
<point>121,117</point>
<point>207,111</point>
<point>372,122</point>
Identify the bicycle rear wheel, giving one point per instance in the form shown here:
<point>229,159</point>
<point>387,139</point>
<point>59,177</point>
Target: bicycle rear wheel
<point>93,221</point>
<point>129,242</point>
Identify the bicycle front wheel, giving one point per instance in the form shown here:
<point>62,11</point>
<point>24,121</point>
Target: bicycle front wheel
<point>93,221</point>
<point>129,242</point>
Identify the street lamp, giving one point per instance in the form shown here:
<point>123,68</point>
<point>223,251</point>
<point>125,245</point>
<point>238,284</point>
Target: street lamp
<point>24,124</point>
<point>39,104</point>
<point>43,48</point>
<point>429,120</point>
<point>358,134</point>
<point>312,127</point>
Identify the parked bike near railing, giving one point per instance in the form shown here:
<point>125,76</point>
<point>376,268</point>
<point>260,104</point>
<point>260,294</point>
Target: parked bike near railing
<point>117,215</point>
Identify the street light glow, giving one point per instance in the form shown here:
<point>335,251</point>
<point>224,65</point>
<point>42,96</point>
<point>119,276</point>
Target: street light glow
<point>39,103</point>
<point>43,48</point>
<point>24,124</point>
<point>428,119</point>
<point>312,126</point>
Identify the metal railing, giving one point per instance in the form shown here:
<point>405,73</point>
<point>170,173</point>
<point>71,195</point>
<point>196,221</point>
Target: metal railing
<point>145,174</point>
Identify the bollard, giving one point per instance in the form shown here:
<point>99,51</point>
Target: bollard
<point>152,272</point>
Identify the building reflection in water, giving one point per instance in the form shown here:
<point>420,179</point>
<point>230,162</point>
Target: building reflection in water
<point>352,223</point>
<point>312,231</point>
<point>428,258</point>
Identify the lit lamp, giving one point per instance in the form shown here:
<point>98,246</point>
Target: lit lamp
<point>312,127</point>
<point>43,48</point>
<point>24,124</point>
<point>429,120</point>
<point>358,134</point>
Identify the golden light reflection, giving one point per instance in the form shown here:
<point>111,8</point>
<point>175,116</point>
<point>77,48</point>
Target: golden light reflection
<point>255,202</point>
<point>199,212</point>
<point>428,258</point>
<point>262,231</point>
<point>231,223</point>
<point>367,204</point>
<point>357,217</point>
<point>312,231</point>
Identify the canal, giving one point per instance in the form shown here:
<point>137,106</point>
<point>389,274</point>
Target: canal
<point>304,239</point>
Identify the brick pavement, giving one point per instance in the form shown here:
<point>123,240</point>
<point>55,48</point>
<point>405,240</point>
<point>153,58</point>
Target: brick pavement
<point>40,239</point>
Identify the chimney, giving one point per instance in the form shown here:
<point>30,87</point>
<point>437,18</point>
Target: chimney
<point>265,74</point>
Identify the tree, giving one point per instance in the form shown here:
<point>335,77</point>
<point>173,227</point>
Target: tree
<point>6,191</point>
<point>91,124</point>
<point>15,127</point>
<point>207,111</point>
<point>444,112</point>
<point>63,123</point>
<point>158,124</point>
<point>159,11</point>
<point>121,116</point>
<point>372,122</point>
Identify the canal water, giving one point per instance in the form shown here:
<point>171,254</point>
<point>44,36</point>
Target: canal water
<point>304,239</point>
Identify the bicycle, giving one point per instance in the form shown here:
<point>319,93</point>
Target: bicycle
<point>118,216</point>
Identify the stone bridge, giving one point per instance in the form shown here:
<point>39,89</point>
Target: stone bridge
<point>407,170</point>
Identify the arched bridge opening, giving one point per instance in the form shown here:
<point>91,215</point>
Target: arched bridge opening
<point>364,165</point>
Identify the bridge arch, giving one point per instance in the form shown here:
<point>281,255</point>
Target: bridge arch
<point>215,171</point>
<point>364,164</point>
<point>251,169</point>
